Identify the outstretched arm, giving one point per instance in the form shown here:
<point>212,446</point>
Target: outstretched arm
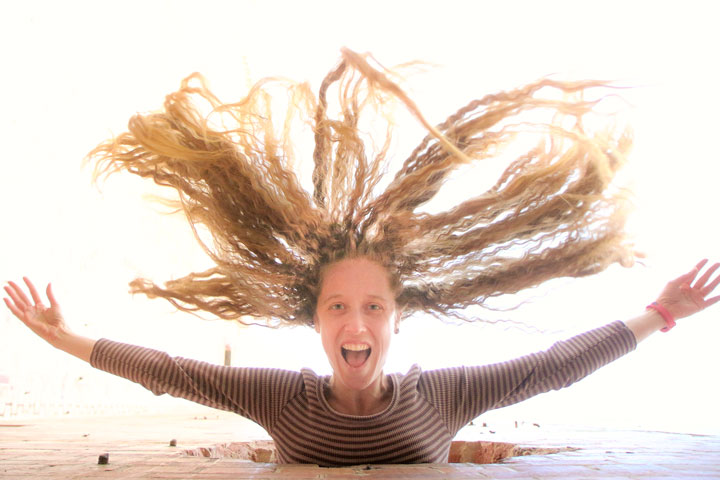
<point>47,322</point>
<point>461,394</point>
<point>680,298</point>
<point>258,394</point>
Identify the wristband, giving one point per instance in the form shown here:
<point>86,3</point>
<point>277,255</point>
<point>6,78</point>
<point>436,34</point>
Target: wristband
<point>667,316</point>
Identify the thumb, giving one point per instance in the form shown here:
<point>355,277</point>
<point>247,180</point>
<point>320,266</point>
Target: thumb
<point>687,277</point>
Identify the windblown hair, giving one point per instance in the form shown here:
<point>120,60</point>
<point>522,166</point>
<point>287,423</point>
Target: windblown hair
<point>554,211</point>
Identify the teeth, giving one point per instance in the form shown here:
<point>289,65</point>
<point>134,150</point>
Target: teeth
<point>356,347</point>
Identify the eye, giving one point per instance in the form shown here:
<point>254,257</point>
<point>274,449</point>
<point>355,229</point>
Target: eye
<point>336,306</point>
<point>375,307</point>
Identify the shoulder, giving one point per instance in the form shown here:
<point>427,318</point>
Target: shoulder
<point>442,377</point>
<point>313,384</point>
<point>421,380</point>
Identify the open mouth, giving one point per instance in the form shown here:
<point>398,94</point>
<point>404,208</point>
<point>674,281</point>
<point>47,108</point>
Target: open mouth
<point>355,354</point>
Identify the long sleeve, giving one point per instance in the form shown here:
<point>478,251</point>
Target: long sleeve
<point>461,394</point>
<point>257,394</point>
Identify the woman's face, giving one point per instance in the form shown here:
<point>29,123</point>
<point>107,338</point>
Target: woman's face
<point>356,315</point>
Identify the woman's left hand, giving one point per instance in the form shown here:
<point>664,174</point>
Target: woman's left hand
<point>682,298</point>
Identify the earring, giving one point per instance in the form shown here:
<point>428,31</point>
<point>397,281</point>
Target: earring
<point>397,329</point>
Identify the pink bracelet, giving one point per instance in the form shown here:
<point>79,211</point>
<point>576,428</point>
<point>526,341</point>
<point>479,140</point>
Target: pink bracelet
<point>669,320</point>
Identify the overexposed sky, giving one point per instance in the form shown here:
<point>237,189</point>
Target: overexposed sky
<point>74,72</point>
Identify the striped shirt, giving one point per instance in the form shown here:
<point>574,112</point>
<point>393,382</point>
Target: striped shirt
<point>426,411</point>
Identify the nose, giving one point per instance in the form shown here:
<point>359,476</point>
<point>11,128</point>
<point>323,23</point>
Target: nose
<point>355,322</point>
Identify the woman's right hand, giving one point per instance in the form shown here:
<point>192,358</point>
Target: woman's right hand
<point>46,322</point>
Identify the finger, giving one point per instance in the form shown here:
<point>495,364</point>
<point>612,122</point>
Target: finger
<point>712,301</point>
<point>51,296</point>
<point>709,288</point>
<point>13,308</point>
<point>33,292</point>
<point>706,276</point>
<point>701,263</point>
<point>18,302</point>
<point>687,277</point>
<point>19,293</point>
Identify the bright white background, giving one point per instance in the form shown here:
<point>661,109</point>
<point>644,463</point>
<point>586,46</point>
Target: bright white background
<point>74,72</point>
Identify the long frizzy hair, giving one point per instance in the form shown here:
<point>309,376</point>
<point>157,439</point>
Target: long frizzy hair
<point>554,211</point>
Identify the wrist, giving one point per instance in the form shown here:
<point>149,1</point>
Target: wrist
<point>667,317</point>
<point>61,338</point>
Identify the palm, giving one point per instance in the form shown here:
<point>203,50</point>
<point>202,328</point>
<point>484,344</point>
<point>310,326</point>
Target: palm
<point>43,319</point>
<point>47,322</point>
<point>686,295</point>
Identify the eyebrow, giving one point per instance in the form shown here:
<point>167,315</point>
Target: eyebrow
<point>340,295</point>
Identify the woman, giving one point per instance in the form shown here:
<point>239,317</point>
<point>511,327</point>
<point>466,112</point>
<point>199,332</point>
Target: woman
<point>352,261</point>
<point>359,414</point>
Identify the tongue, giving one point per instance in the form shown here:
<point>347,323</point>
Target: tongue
<point>356,359</point>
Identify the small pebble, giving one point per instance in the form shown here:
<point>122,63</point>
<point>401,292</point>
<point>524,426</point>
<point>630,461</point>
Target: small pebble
<point>173,443</point>
<point>104,459</point>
